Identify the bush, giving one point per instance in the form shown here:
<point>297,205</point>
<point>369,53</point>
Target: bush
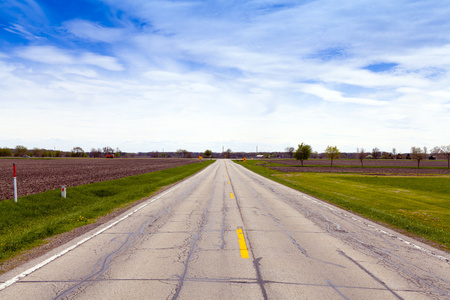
<point>5,152</point>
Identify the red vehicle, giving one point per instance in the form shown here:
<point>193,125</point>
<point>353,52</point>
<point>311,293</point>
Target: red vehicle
<point>109,156</point>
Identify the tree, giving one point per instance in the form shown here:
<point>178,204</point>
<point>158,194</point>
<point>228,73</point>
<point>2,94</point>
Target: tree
<point>182,153</point>
<point>118,153</point>
<point>303,152</point>
<point>394,152</point>
<point>95,152</point>
<point>435,151</point>
<point>445,150</point>
<point>376,153</point>
<point>361,155</point>
<point>108,150</point>
<point>228,153</point>
<point>20,151</point>
<point>36,152</point>
<point>332,153</point>
<point>290,151</point>
<point>418,154</point>
<point>208,153</point>
<point>5,152</point>
<point>77,152</point>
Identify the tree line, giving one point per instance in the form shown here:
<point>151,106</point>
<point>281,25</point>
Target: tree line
<point>22,151</point>
<point>304,152</point>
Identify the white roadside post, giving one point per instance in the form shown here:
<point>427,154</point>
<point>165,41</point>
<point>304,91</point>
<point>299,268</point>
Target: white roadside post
<point>15,183</point>
<point>63,191</point>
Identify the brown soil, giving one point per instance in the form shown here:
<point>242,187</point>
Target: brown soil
<point>40,175</point>
<point>371,166</point>
<point>366,162</point>
<point>374,171</point>
<point>60,239</point>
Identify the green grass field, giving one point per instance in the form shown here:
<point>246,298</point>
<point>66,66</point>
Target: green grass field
<point>33,218</point>
<point>419,205</point>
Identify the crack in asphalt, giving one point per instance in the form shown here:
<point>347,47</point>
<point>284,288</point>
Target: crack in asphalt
<point>256,261</point>
<point>291,238</point>
<point>369,273</point>
<point>103,264</point>
<point>194,241</point>
<point>384,254</point>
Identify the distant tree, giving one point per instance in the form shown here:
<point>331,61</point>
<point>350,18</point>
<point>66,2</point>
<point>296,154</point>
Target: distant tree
<point>36,152</point>
<point>77,152</point>
<point>445,150</point>
<point>20,151</point>
<point>182,153</point>
<point>290,151</point>
<point>394,152</point>
<point>108,150</point>
<point>228,153</point>
<point>376,153</point>
<point>208,153</point>
<point>418,154</point>
<point>58,153</point>
<point>303,152</point>
<point>5,152</point>
<point>118,153</point>
<point>332,153</point>
<point>385,155</point>
<point>436,151</point>
<point>95,152</point>
<point>361,154</point>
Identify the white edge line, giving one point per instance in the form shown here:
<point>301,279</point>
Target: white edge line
<point>383,232</point>
<point>306,196</point>
<point>52,258</point>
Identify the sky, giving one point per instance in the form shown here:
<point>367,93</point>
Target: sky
<point>144,75</point>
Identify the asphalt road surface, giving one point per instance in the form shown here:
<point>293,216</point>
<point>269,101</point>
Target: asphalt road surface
<point>227,233</point>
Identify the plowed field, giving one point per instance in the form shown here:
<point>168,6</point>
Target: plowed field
<point>373,166</point>
<point>39,175</point>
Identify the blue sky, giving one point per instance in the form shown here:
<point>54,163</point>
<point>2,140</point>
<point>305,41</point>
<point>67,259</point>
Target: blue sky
<point>151,75</point>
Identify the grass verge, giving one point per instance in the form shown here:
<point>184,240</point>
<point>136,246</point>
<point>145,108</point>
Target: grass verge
<point>25,224</point>
<point>419,205</point>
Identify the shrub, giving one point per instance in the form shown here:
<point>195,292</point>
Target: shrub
<point>5,152</point>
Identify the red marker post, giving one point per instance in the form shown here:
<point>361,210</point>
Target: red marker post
<point>15,183</point>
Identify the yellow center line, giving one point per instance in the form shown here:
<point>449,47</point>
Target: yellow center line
<point>231,195</point>
<point>242,244</point>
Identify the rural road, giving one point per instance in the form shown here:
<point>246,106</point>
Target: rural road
<point>227,233</point>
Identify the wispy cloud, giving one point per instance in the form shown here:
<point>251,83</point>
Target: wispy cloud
<point>91,31</point>
<point>242,73</point>
<point>54,56</point>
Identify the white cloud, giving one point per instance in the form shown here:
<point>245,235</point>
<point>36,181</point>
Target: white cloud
<point>335,96</point>
<point>20,30</point>
<point>242,74</point>
<point>54,56</point>
<point>95,32</point>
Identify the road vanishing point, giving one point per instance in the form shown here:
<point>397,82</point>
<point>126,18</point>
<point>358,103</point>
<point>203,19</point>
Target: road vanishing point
<point>228,233</point>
